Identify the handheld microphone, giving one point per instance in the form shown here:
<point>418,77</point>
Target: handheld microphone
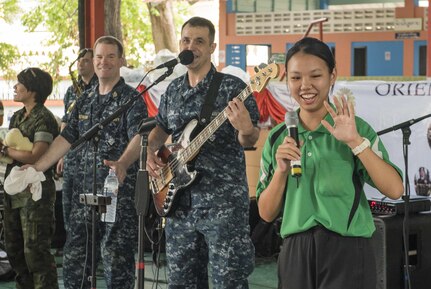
<point>292,121</point>
<point>185,58</point>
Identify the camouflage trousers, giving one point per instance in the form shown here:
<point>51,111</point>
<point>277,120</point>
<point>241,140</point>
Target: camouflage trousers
<point>116,246</point>
<point>67,190</point>
<point>28,234</point>
<point>217,236</point>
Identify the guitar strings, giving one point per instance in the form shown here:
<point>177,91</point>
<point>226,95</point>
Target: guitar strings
<point>214,125</point>
<point>217,122</point>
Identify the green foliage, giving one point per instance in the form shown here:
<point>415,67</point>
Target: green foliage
<point>181,13</point>
<point>60,19</point>
<point>9,53</point>
<point>8,9</point>
<point>137,37</point>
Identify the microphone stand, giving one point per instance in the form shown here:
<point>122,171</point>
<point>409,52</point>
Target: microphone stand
<point>142,194</point>
<point>405,128</point>
<point>96,200</point>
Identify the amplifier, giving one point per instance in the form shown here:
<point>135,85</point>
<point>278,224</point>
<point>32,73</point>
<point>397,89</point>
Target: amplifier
<point>397,207</point>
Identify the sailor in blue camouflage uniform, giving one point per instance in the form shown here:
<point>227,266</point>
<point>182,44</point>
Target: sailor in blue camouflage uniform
<point>116,241</point>
<point>87,80</point>
<point>211,223</point>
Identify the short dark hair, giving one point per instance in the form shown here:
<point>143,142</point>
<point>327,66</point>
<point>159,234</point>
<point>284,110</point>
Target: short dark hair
<point>110,40</point>
<point>313,46</point>
<point>201,22</point>
<point>36,80</point>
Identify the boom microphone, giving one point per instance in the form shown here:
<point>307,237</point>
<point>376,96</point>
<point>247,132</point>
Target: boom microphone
<point>292,121</point>
<point>185,58</point>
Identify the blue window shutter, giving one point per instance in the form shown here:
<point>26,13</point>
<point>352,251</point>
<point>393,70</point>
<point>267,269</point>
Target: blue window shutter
<point>236,55</point>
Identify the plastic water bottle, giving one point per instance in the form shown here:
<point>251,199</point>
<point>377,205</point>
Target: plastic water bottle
<point>110,189</point>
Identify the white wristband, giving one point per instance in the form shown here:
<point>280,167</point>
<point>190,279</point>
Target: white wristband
<point>360,148</point>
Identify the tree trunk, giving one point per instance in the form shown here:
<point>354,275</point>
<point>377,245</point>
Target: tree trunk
<point>113,19</point>
<point>163,27</point>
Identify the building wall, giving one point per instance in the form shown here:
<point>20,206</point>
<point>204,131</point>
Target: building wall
<point>403,52</point>
<point>383,57</point>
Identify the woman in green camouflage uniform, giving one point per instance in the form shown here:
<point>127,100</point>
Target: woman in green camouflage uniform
<point>29,225</point>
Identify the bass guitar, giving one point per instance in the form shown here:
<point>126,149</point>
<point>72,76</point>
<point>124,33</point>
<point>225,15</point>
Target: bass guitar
<point>175,176</point>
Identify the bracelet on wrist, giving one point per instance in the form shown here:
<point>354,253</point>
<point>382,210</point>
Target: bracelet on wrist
<point>4,151</point>
<point>360,148</point>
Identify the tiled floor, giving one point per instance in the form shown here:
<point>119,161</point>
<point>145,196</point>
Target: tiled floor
<point>263,277</point>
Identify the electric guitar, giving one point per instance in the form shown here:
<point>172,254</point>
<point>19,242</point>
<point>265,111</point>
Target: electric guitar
<point>175,176</point>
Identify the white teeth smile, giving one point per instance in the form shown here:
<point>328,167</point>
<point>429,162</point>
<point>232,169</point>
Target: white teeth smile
<point>308,96</point>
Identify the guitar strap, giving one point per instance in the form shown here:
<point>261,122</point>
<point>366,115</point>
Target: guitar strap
<point>207,108</point>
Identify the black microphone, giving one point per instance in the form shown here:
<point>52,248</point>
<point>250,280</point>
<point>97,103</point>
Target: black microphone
<point>291,119</point>
<point>82,53</point>
<point>147,125</point>
<point>185,58</point>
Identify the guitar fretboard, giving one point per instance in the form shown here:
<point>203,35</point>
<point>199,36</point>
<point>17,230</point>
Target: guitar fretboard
<point>195,145</point>
<point>257,83</point>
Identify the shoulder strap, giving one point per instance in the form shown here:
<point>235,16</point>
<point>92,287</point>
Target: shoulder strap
<point>208,106</point>
<point>207,109</point>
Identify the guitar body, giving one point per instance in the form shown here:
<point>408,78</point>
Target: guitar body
<point>175,176</point>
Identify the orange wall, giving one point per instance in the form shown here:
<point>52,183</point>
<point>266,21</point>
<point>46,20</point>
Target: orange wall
<point>342,40</point>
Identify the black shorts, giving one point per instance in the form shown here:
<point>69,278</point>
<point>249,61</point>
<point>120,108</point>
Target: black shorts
<point>322,259</point>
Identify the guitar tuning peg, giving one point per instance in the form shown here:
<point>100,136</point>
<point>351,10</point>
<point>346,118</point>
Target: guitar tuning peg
<point>262,65</point>
<point>258,68</point>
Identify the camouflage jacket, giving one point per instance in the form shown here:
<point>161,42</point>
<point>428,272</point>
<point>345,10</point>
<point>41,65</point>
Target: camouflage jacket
<point>90,110</point>
<point>39,125</point>
<point>221,161</point>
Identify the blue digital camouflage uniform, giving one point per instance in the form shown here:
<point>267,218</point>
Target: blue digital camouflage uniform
<point>29,225</point>
<point>116,242</point>
<point>211,223</point>
<point>1,109</point>
<point>69,159</point>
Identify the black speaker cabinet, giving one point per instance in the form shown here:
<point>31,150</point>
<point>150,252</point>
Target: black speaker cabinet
<point>389,251</point>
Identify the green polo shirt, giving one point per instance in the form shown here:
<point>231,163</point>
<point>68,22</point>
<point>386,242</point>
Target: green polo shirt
<point>330,190</point>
